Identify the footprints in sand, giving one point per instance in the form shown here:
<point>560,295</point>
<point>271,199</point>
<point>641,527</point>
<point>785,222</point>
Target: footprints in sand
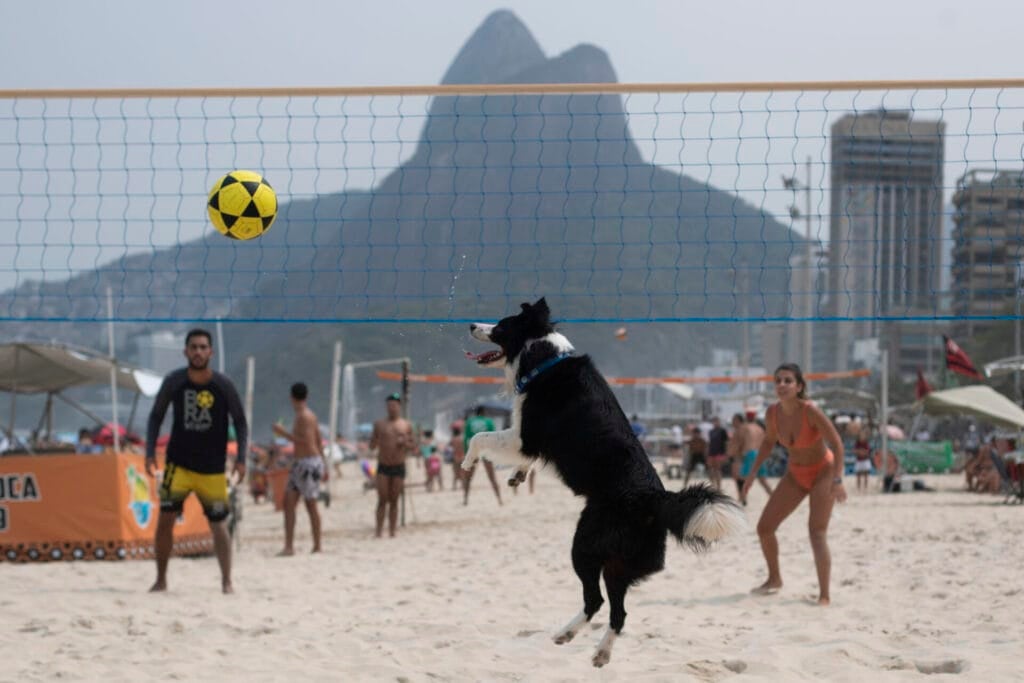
<point>950,666</point>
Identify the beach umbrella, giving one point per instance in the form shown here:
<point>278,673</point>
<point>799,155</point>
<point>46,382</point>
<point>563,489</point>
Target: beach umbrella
<point>895,432</point>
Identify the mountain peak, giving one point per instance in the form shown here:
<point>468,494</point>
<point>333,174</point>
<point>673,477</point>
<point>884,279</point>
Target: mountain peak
<point>499,48</point>
<point>584,63</point>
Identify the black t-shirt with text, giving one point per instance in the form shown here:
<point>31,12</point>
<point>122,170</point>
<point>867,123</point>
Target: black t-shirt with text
<point>199,427</point>
<point>717,440</point>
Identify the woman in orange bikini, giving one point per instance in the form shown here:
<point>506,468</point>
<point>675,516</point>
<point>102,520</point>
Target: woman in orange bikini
<point>815,469</point>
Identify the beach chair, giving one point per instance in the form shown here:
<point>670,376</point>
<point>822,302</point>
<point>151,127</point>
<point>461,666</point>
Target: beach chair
<point>1015,470</point>
<point>1009,485</point>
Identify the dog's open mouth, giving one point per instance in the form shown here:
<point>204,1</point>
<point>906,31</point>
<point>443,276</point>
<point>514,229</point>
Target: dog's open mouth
<point>486,357</point>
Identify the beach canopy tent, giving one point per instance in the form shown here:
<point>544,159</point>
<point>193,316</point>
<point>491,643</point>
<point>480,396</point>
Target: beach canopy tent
<point>38,368</point>
<point>978,400</point>
<point>59,505</point>
<point>681,390</point>
<point>48,368</point>
<point>839,398</point>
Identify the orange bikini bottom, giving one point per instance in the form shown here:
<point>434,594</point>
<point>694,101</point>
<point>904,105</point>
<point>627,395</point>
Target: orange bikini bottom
<point>805,475</point>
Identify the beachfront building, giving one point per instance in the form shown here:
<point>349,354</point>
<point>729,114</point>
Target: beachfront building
<point>988,247</point>
<point>885,222</point>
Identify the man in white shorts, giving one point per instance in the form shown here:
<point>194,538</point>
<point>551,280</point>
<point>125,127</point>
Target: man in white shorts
<point>307,471</point>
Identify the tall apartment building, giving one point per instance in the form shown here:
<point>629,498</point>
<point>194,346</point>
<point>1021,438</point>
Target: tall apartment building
<point>885,222</point>
<point>988,246</point>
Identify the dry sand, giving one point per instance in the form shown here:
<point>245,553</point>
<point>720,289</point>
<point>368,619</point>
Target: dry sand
<point>923,583</point>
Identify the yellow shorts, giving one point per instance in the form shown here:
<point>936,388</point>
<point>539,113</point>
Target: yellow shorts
<point>211,489</point>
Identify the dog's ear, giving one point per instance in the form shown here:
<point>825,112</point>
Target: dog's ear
<point>525,306</point>
<point>541,306</point>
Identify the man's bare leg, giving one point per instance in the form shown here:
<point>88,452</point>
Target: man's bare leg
<point>489,468</point>
<point>291,501</point>
<point>395,491</point>
<point>314,522</point>
<point>222,546</point>
<point>164,544</point>
<point>382,500</point>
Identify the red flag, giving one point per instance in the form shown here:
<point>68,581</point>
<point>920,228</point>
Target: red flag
<point>957,360</point>
<point>922,388</point>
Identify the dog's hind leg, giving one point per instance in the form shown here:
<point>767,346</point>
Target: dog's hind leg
<point>617,579</point>
<point>588,568</point>
<point>589,571</point>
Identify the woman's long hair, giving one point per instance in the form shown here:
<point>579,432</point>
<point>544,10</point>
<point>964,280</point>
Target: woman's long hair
<point>798,374</point>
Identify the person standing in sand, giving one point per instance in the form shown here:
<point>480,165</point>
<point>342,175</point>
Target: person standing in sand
<point>749,436</point>
<point>814,470</point>
<point>393,440</point>
<point>477,424</point>
<point>308,468</point>
<point>203,402</point>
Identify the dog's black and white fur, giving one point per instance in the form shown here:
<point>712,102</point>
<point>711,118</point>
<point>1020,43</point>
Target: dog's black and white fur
<point>566,414</point>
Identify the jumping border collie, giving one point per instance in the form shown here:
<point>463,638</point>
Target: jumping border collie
<point>566,414</point>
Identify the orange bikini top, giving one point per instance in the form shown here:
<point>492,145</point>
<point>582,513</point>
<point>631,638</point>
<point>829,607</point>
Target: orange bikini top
<point>809,434</point>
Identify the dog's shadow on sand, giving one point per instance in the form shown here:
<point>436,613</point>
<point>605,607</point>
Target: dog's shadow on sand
<point>731,599</point>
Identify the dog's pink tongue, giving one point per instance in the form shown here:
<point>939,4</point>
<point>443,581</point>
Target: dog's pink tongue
<point>473,356</point>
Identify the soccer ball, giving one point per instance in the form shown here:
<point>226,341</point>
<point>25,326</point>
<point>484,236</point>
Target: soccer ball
<point>242,205</point>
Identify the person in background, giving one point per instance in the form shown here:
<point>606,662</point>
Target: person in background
<point>862,465</point>
<point>749,435</point>
<point>307,471</point>
<point>85,442</point>
<point>431,460</point>
<point>718,458</point>
<point>393,440</point>
<point>457,445</point>
<point>697,456</point>
<point>477,424</point>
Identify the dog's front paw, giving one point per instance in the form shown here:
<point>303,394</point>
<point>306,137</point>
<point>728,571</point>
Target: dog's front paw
<point>468,462</point>
<point>564,636</point>
<point>602,657</point>
<point>517,478</point>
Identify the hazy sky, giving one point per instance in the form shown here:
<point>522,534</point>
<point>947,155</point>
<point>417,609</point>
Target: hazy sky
<point>191,43</point>
<point>117,43</point>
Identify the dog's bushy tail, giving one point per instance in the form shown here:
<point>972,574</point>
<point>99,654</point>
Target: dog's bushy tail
<point>698,516</point>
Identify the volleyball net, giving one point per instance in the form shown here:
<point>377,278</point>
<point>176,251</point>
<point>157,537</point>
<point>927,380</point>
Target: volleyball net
<point>618,202</point>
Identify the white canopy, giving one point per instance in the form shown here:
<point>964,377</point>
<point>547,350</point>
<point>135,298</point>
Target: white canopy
<point>681,390</point>
<point>979,400</point>
<point>36,368</point>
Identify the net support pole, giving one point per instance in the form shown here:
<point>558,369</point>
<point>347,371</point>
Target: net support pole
<point>808,276</point>
<point>14,394</point>
<point>250,392</point>
<point>220,346</point>
<point>332,428</point>
<point>113,369</point>
<point>884,460</point>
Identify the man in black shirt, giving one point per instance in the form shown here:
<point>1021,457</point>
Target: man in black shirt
<point>203,401</point>
<point>717,458</point>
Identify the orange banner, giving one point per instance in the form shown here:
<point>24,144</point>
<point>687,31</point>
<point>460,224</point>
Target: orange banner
<point>626,381</point>
<point>68,507</point>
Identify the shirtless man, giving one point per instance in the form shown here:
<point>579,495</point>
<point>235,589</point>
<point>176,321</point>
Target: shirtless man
<point>750,435</point>
<point>308,468</point>
<point>393,440</point>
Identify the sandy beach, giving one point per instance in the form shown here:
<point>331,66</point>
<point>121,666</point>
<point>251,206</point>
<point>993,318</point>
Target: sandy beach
<point>923,583</point>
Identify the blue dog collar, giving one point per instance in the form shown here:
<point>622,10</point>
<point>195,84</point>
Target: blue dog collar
<point>533,374</point>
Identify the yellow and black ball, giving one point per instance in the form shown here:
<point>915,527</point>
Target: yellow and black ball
<point>242,205</point>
